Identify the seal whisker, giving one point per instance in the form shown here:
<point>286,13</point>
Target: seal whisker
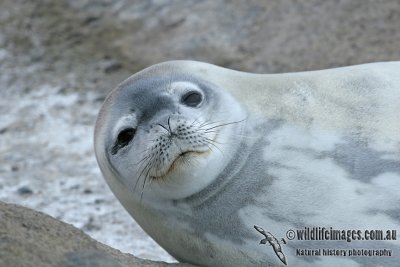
<point>208,145</point>
<point>195,120</point>
<point>169,125</point>
<point>138,177</point>
<point>209,131</point>
<point>143,159</point>
<point>147,166</point>
<point>225,124</point>
<point>146,177</point>
<point>159,124</point>
<point>149,156</point>
<point>210,142</point>
<point>144,181</point>
<point>208,123</point>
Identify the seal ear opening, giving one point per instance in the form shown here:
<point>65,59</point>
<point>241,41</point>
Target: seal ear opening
<point>192,99</point>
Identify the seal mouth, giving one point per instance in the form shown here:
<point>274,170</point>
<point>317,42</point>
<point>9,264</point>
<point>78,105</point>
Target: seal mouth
<point>181,158</point>
<point>185,153</point>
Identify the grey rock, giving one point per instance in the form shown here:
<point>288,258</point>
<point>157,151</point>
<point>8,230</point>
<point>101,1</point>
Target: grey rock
<point>31,238</point>
<point>25,190</point>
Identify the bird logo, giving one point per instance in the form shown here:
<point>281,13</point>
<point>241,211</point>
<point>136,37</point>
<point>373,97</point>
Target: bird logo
<point>274,242</point>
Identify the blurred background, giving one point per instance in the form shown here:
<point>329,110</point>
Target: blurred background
<point>59,59</point>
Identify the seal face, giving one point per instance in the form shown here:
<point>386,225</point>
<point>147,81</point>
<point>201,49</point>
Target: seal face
<point>205,158</point>
<point>164,130</point>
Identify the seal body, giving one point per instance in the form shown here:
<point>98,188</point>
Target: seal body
<point>202,157</point>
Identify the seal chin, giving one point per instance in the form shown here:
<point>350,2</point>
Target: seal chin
<point>180,161</point>
<point>178,155</point>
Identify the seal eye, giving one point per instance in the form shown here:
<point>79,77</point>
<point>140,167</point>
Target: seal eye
<point>125,136</point>
<point>192,99</point>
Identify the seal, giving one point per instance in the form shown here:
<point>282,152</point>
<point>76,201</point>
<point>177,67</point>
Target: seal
<point>210,160</point>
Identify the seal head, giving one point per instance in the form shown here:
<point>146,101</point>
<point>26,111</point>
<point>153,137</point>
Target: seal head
<point>166,137</point>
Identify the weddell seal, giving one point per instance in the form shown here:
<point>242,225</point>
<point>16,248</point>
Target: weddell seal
<point>209,161</point>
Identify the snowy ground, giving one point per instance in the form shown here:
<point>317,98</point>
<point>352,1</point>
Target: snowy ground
<point>48,164</point>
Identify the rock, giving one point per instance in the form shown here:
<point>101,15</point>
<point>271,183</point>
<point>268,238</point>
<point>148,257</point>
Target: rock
<point>14,168</point>
<point>25,190</point>
<point>87,191</point>
<point>31,238</point>
<point>111,67</point>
